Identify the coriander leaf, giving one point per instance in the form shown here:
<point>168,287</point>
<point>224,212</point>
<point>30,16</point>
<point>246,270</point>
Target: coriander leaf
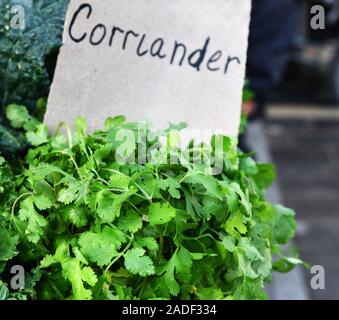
<point>79,255</point>
<point>229,243</point>
<point>19,116</point>
<point>210,294</point>
<point>109,204</point>
<point>137,263</point>
<point>35,221</point>
<point>4,292</point>
<point>73,273</point>
<point>244,200</point>
<point>183,260</point>
<point>47,261</point>
<point>166,283</point>
<point>177,268</point>
<point>245,266</point>
<point>232,200</point>
<point>77,215</point>
<point>117,121</point>
<point>42,202</point>
<point>248,249</point>
<point>147,242</point>
<point>172,186</point>
<point>119,181</point>
<point>248,165</point>
<point>61,254</point>
<point>42,170</point>
<point>213,206</point>
<point>101,247</point>
<point>42,187</point>
<point>265,176</point>
<point>81,126</point>
<point>250,289</point>
<point>38,137</point>
<point>70,193</point>
<point>211,184</point>
<point>8,242</point>
<point>286,264</point>
<point>160,213</point>
<point>284,224</point>
<point>101,153</point>
<point>235,223</point>
<point>88,275</point>
<point>130,222</point>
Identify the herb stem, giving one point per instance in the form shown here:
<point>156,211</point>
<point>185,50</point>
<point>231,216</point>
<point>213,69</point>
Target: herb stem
<point>161,243</point>
<point>120,254</point>
<point>184,178</point>
<point>18,199</point>
<point>149,198</point>
<point>101,179</point>
<point>143,284</point>
<point>13,209</point>
<point>68,130</point>
<point>134,207</point>
<point>207,235</point>
<point>214,231</point>
<point>56,290</point>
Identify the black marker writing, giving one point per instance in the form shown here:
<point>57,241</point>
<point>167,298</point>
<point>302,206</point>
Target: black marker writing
<point>177,52</point>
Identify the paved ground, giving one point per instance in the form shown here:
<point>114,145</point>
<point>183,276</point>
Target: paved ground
<point>290,286</point>
<point>306,152</point>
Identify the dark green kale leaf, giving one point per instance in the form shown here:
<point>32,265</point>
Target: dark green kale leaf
<point>27,57</point>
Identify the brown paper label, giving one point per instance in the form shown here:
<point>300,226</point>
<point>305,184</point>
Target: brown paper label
<point>164,61</point>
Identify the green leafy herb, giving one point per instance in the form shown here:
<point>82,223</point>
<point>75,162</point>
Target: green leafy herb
<point>100,226</point>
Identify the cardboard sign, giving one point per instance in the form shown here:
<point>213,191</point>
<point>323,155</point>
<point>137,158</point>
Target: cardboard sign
<point>161,60</point>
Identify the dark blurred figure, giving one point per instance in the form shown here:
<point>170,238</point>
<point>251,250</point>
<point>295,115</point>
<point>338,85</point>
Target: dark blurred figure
<point>270,41</point>
<point>312,75</point>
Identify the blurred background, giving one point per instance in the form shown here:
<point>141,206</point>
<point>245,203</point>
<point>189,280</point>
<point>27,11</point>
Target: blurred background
<point>293,69</point>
